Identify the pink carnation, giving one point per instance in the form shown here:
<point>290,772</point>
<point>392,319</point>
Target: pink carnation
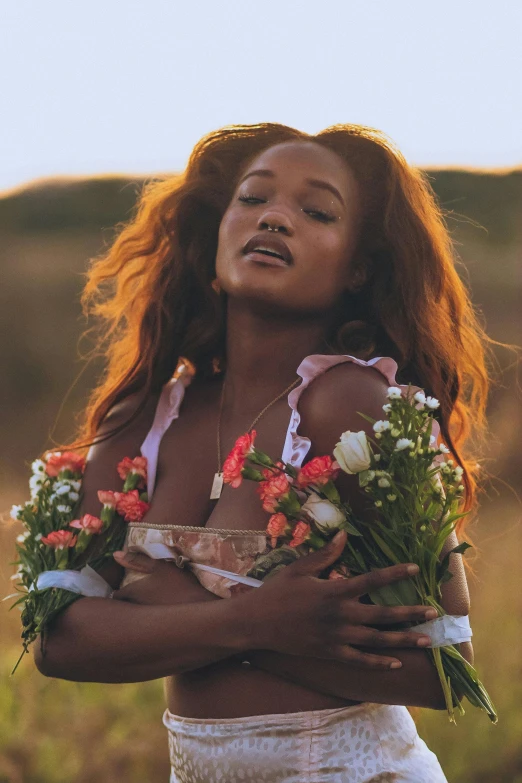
<point>60,539</point>
<point>318,471</point>
<point>107,497</point>
<point>272,490</point>
<point>235,461</point>
<point>67,460</point>
<point>276,527</point>
<point>137,465</point>
<point>130,507</point>
<point>301,533</point>
<point>89,523</point>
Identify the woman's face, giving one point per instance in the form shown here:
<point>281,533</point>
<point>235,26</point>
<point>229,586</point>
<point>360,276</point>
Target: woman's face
<point>317,222</point>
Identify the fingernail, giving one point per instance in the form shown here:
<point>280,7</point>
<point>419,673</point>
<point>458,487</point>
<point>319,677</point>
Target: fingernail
<point>338,535</point>
<point>424,641</point>
<point>430,614</point>
<point>412,569</point>
<point>395,665</point>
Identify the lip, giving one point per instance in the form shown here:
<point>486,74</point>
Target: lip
<point>264,260</point>
<point>271,243</point>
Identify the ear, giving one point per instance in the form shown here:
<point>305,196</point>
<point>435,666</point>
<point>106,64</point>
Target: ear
<point>359,273</point>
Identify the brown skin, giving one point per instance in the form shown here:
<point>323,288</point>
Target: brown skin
<point>276,317</point>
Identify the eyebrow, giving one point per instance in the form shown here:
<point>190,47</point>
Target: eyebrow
<point>315,183</point>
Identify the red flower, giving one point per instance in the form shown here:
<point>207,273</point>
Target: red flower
<point>60,539</point>
<point>301,533</point>
<point>68,460</point>
<point>89,523</point>
<point>130,507</point>
<point>137,465</point>
<point>107,497</point>
<point>271,490</point>
<point>235,461</point>
<point>276,527</point>
<point>318,471</point>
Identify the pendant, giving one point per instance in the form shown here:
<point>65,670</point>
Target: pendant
<point>217,486</point>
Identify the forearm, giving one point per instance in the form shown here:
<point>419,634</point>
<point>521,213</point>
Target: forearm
<point>101,640</point>
<point>416,683</point>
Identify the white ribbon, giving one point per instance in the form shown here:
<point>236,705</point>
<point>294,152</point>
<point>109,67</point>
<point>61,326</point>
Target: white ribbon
<point>86,582</point>
<point>244,580</point>
<point>448,629</point>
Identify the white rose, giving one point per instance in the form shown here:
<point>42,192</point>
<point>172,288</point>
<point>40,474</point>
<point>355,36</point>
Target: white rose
<point>353,452</point>
<point>380,426</point>
<point>432,402</point>
<point>420,397</point>
<point>325,514</point>
<point>386,407</point>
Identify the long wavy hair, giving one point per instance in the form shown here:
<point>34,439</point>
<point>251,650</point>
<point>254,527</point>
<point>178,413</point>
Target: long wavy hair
<point>159,309</point>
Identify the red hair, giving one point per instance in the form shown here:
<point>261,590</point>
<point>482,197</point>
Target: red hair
<point>160,309</point>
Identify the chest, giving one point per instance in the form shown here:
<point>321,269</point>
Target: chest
<point>188,460</point>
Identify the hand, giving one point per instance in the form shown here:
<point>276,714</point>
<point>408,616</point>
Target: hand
<point>297,613</point>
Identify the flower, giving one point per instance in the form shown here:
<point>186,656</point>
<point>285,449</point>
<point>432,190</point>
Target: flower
<point>383,482</point>
<point>378,503</point>
<point>276,527</point>
<point>391,498</point>
<point>68,460</point>
<point>301,533</point>
<point>395,432</point>
<point>403,443</point>
<point>15,510</point>
<point>235,461</point>
<point>386,407</point>
<point>394,393</point>
<point>107,497</point>
<point>420,397</point>
<point>325,514</point>
<point>381,425</point>
<point>130,507</point>
<point>353,452</point>
<point>432,402</point>
<point>443,448</point>
<point>272,489</point>
<point>60,539</point>
<point>88,523</point>
<point>38,466</point>
<point>63,508</point>
<point>318,471</point>
<point>137,465</point>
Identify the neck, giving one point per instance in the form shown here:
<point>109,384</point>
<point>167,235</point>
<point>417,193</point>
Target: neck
<point>263,352</point>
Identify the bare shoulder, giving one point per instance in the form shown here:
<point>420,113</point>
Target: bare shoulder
<point>332,402</point>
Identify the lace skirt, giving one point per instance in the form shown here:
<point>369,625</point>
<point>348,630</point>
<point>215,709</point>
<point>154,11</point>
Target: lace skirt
<point>355,744</point>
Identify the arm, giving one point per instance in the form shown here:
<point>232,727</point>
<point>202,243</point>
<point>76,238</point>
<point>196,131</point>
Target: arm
<point>344,390</point>
<point>102,640</point>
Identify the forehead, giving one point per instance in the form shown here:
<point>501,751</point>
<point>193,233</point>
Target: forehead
<point>302,159</point>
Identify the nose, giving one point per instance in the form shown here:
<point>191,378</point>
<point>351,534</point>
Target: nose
<point>275,220</point>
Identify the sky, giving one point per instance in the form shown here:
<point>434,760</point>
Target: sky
<point>112,87</point>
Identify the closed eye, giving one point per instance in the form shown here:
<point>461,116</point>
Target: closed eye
<point>324,217</point>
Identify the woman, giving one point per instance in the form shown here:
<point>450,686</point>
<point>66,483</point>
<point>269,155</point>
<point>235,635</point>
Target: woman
<point>285,270</point>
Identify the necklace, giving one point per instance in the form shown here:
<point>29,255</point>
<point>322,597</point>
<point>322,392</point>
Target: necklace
<point>217,484</point>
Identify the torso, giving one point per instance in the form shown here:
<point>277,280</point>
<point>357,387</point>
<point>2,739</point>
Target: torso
<point>187,461</point>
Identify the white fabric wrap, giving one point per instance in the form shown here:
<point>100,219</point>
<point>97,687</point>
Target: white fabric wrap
<point>448,629</point>
<point>86,582</point>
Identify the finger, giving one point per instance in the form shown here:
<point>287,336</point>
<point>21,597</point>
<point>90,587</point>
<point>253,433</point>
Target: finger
<point>317,561</point>
<point>363,660</point>
<point>135,561</point>
<point>367,614</point>
<point>365,583</point>
<point>371,637</point>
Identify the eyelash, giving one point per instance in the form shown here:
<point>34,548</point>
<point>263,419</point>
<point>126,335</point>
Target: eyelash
<point>326,217</point>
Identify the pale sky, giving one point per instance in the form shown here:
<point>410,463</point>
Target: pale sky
<point>119,86</point>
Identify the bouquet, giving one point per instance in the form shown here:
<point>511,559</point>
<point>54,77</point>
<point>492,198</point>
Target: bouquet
<point>58,558</point>
<point>414,494</point>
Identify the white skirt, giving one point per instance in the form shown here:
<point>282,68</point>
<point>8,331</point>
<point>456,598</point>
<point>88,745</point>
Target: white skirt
<point>355,744</point>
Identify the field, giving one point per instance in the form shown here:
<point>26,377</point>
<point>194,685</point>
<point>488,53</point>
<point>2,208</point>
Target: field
<point>53,731</point>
